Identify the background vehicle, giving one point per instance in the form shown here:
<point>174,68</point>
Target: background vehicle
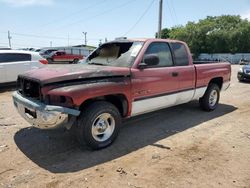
<point>120,79</point>
<point>63,57</point>
<point>243,62</point>
<point>15,62</point>
<point>244,73</point>
<point>46,53</point>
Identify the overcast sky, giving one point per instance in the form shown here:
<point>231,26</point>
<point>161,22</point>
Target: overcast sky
<point>34,23</point>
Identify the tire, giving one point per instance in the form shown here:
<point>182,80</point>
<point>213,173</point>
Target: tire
<point>75,61</point>
<point>49,60</point>
<point>90,126</point>
<point>210,100</point>
<point>240,79</point>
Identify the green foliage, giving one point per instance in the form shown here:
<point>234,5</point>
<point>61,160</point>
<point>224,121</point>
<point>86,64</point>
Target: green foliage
<point>219,34</point>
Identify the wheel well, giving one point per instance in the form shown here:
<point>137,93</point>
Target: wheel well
<point>218,81</point>
<point>119,101</point>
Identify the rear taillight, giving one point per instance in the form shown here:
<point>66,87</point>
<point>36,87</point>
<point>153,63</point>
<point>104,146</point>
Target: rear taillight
<point>44,61</point>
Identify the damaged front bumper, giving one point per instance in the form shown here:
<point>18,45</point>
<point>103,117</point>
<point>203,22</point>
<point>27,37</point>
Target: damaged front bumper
<point>43,116</point>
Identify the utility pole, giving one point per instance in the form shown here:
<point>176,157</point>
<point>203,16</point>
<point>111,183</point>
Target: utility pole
<point>50,43</point>
<point>85,37</point>
<point>100,42</point>
<point>160,19</point>
<point>68,39</point>
<point>9,38</point>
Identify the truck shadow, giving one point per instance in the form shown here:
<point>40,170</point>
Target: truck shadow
<point>57,152</point>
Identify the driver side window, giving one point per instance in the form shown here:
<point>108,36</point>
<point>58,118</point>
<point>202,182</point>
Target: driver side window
<point>162,50</point>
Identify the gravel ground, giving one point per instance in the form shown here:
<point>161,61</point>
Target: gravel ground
<point>176,147</point>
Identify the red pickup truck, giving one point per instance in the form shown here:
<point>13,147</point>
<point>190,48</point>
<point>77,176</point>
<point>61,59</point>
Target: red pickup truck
<point>120,79</point>
<point>62,57</point>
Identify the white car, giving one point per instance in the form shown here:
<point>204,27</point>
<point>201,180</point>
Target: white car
<point>15,62</point>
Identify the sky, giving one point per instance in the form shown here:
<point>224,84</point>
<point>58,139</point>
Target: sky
<point>40,23</point>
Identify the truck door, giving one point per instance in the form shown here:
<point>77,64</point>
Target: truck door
<point>186,72</point>
<point>155,87</point>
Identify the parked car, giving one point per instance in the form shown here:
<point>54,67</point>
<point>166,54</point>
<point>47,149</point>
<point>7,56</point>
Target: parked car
<point>15,62</point>
<point>46,53</point>
<point>63,57</point>
<point>120,79</point>
<point>243,62</point>
<point>244,73</point>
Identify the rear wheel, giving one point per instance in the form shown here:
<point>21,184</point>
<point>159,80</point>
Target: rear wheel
<point>240,79</point>
<point>49,60</point>
<point>98,125</point>
<point>211,98</point>
<point>75,61</point>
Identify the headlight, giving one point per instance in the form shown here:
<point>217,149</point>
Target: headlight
<point>59,100</point>
<point>241,70</point>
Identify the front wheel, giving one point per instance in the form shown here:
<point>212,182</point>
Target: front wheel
<point>211,98</point>
<point>98,125</point>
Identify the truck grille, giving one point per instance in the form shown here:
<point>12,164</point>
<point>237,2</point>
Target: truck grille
<point>29,88</point>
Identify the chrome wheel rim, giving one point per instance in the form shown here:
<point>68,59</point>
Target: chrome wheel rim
<point>213,98</point>
<point>103,127</point>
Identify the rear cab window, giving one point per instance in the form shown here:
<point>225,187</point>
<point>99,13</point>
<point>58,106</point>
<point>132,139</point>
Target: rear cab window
<point>14,57</point>
<point>180,54</point>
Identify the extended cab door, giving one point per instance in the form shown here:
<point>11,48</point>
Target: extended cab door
<point>155,87</point>
<point>185,70</point>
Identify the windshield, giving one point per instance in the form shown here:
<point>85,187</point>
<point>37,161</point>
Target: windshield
<point>119,54</point>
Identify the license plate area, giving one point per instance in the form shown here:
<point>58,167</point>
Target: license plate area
<point>30,113</point>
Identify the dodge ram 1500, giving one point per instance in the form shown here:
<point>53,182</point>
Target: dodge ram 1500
<point>120,79</point>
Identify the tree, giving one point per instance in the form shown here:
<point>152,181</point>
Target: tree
<point>218,34</point>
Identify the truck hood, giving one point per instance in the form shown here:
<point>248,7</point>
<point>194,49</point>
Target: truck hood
<point>64,73</point>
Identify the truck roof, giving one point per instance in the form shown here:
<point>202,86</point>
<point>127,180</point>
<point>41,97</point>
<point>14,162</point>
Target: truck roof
<point>144,40</point>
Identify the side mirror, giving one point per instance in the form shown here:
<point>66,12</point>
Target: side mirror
<point>149,60</point>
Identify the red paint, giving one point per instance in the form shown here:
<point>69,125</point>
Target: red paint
<point>62,56</point>
<point>43,61</point>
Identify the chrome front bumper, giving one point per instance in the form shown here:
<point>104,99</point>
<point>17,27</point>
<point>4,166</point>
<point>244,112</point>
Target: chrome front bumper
<point>40,115</point>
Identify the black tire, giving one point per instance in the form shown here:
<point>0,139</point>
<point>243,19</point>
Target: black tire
<point>75,61</point>
<point>240,79</point>
<point>49,60</point>
<point>89,116</point>
<point>205,102</point>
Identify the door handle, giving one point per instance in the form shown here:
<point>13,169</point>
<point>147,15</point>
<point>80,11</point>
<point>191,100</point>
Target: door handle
<point>175,74</point>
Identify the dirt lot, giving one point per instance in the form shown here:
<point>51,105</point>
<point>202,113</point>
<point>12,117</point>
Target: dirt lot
<point>176,147</point>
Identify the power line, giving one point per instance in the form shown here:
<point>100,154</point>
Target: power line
<point>97,15</point>
<point>63,18</point>
<point>174,11</point>
<point>170,12</point>
<point>140,18</point>
<point>47,37</point>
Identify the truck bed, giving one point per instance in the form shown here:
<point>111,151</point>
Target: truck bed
<point>206,62</point>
